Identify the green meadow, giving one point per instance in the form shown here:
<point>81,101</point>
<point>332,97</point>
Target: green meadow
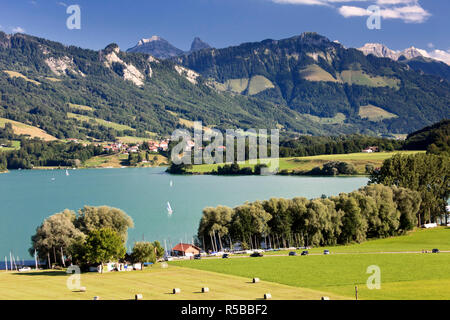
<point>404,273</point>
<point>303,164</point>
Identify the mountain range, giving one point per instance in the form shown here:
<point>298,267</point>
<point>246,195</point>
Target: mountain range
<point>305,84</point>
<point>161,48</point>
<point>437,62</point>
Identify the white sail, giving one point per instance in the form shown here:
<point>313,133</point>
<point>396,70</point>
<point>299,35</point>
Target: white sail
<point>67,172</point>
<point>169,209</point>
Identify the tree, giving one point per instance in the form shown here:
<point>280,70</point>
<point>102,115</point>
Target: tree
<point>103,245</point>
<point>143,252</point>
<point>427,174</point>
<point>93,218</point>
<point>159,250</point>
<point>249,220</point>
<point>215,221</point>
<point>56,232</point>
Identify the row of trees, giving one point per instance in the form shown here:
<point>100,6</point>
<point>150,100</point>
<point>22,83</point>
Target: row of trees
<point>311,146</point>
<point>374,211</point>
<point>39,153</point>
<point>93,236</point>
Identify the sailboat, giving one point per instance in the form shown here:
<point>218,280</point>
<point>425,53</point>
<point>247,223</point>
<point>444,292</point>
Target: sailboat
<point>171,183</point>
<point>67,172</point>
<point>169,209</point>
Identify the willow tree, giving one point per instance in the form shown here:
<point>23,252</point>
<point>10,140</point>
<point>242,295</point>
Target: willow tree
<point>55,235</point>
<point>426,173</point>
<point>215,221</point>
<point>93,218</point>
<point>250,224</point>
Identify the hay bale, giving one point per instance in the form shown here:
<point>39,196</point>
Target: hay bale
<point>97,298</point>
<point>205,290</point>
<point>325,298</point>
<point>255,280</point>
<point>82,289</point>
<point>267,296</point>
<point>176,291</point>
<point>138,297</point>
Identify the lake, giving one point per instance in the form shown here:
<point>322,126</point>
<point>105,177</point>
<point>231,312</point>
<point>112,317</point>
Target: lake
<point>29,196</point>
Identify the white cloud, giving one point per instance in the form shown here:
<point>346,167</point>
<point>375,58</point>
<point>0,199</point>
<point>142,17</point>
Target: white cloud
<point>18,30</point>
<point>409,11</point>
<point>63,4</point>
<point>350,11</point>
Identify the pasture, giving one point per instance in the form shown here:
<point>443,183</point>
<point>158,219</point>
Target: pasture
<point>153,283</point>
<point>304,164</point>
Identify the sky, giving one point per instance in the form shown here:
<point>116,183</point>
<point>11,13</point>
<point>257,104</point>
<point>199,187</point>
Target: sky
<point>403,23</point>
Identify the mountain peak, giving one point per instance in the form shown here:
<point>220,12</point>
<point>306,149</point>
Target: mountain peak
<point>157,47</point>
<point>198,44</point>
<point>153,38</point>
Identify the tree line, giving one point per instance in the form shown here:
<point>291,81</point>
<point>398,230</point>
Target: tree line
<point>39,153</point>
<point>375,211</point>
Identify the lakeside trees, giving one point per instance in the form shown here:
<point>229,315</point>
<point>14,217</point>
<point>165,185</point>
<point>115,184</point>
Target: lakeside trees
<point>38,153</point>
<point>375,211</point>
<point>95,235</point>
<point>426,173</point>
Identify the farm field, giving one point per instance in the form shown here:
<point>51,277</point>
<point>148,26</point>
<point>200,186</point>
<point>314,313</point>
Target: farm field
<point>420,239</point>
<point>119,160</point>
<point>153,283</point>
<point>22,128</point>
<point>304,164</point>
<point>403,275</point>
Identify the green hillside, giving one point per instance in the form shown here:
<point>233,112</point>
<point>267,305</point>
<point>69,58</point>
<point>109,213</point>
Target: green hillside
<point>315,76</point>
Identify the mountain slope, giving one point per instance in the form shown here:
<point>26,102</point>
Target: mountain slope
<point>302,85</point>
<point>128,90</point>
<point>315,76</point>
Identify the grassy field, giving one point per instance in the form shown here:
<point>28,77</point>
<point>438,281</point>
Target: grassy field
<point>303,164</point>
<point>374,113</point>
<point>415,241</point>
<point>22,128</point>
<point>15,145</point>
<point>119,160</point>
<point>152,283</point>
<point>403,276</point>
<point>14,74</point>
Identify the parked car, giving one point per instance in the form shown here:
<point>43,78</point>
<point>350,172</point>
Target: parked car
<point>305,253</point>
<point>326,251</point>
<point>435,251</point>
<point>225,256</point>
<point>197,256</point>
<point>292,253</point>
<point>256,254</point>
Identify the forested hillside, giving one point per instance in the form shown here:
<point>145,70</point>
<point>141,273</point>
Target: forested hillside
<point>315,76</point>
<point>100,95</point>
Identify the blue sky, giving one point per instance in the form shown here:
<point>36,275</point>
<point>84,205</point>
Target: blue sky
<point>420,23</point>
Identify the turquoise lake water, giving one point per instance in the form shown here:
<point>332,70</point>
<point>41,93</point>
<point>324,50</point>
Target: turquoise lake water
<point>27,197</point>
